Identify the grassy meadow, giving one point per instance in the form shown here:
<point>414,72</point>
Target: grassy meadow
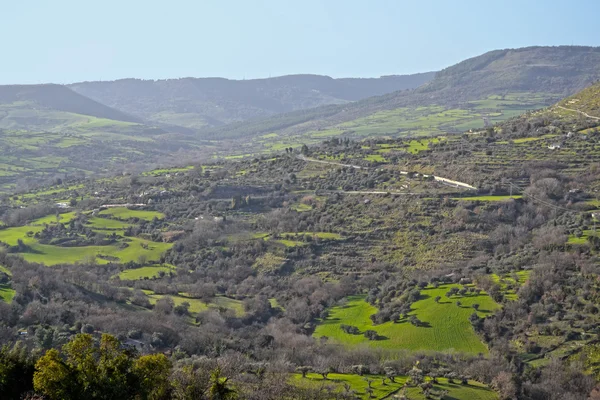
<point>447,325</point>
<point>358,385</point>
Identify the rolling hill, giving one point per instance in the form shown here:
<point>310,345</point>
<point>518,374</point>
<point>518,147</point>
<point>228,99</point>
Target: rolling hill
<point>55,98</point>
<point>51,131</point>
<point>494,86</point>
<point>205,102</point>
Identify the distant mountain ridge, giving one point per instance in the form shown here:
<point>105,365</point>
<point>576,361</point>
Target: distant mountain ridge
<point>60,98</point>
<point>556,72</point>
<point>209,102</point>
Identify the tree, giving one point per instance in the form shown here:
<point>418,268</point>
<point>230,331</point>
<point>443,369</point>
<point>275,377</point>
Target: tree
<point>371,334</point>
<point>153,374</point>
<point>219,390</point>
<point>16,371</point>
<point>414,320</point>
<point>53,378</point>
<point>360,369</point>
<point>475,306</point>
<point>437,299</point>
<point>304,369</point>
<point>391,373</point>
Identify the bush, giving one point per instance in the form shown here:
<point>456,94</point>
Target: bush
<point>371,334</point>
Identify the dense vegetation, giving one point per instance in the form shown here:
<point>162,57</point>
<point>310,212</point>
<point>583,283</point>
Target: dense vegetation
<point>198,103</point>
<point>49,133</point>
<point>456,266</point>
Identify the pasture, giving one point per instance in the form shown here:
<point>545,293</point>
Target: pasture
<point>446,326</point>
<point>7,293</point>
<point>197,305</point>
<point>358,384</point>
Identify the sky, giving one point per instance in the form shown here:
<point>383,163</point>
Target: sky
<point>64,41</point>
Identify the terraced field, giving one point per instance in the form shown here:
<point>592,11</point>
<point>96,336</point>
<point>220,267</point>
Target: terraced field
<point>446,325</point>
<point>408,122</point>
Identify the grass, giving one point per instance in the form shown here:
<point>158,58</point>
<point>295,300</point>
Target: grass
<point>6,293</point>
<point>11,236</point>
<point>301,207</point>
<point>197,305</point>
<point>107,224</point>
<point>416,146</point>
<point>583,239</point>
<point>358,384</point>
<point>50,219</point>
<point>149,272</point>
<point>522,277</point>
<point>448,325</point>
<point>52,255</point>
<point>125,214</point>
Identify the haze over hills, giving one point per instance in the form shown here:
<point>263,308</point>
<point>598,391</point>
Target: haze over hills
<point>51,130</point>
<point>531,77</point>
<point>50,97</point>
<point>446,266</point>
<point>205,102</point>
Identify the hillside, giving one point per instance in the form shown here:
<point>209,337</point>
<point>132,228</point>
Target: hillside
<point>494,86</point>
<point>52,98</point>
<point>48,132</point>
<point>205,102</point>
<point>454,263</point>
<point>586,101</point>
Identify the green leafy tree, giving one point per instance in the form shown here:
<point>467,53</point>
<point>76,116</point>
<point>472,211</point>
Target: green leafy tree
<point>153,373</point>
<point>219,390</point>
<point>16,371</point>
<point>54,378</point>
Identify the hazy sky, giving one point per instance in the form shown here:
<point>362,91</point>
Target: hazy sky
<point>73,40</point>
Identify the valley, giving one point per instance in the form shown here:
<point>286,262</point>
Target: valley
<point>434,242</point>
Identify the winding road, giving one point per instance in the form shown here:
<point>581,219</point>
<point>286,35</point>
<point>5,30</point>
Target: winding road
<point>580,112</point>
<point>445,181</point>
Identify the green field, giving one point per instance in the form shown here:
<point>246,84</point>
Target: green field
<point>11,236</point>
<point>358,384</point>
<point>449,327</point>
<point>150,272</point>
<point>583,239</point>
<point>504,280</point>
<point>107,224</point>
<point>52,255</point>
<point>6,293</point>
<point>125,214</point>
<point>50,219</point>
<point>416,146</point>
<point>197,305</point>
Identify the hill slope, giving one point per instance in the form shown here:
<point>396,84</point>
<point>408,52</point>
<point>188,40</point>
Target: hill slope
<point>196,103</point>
<point>496,85</point>
<point>56,98</point>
